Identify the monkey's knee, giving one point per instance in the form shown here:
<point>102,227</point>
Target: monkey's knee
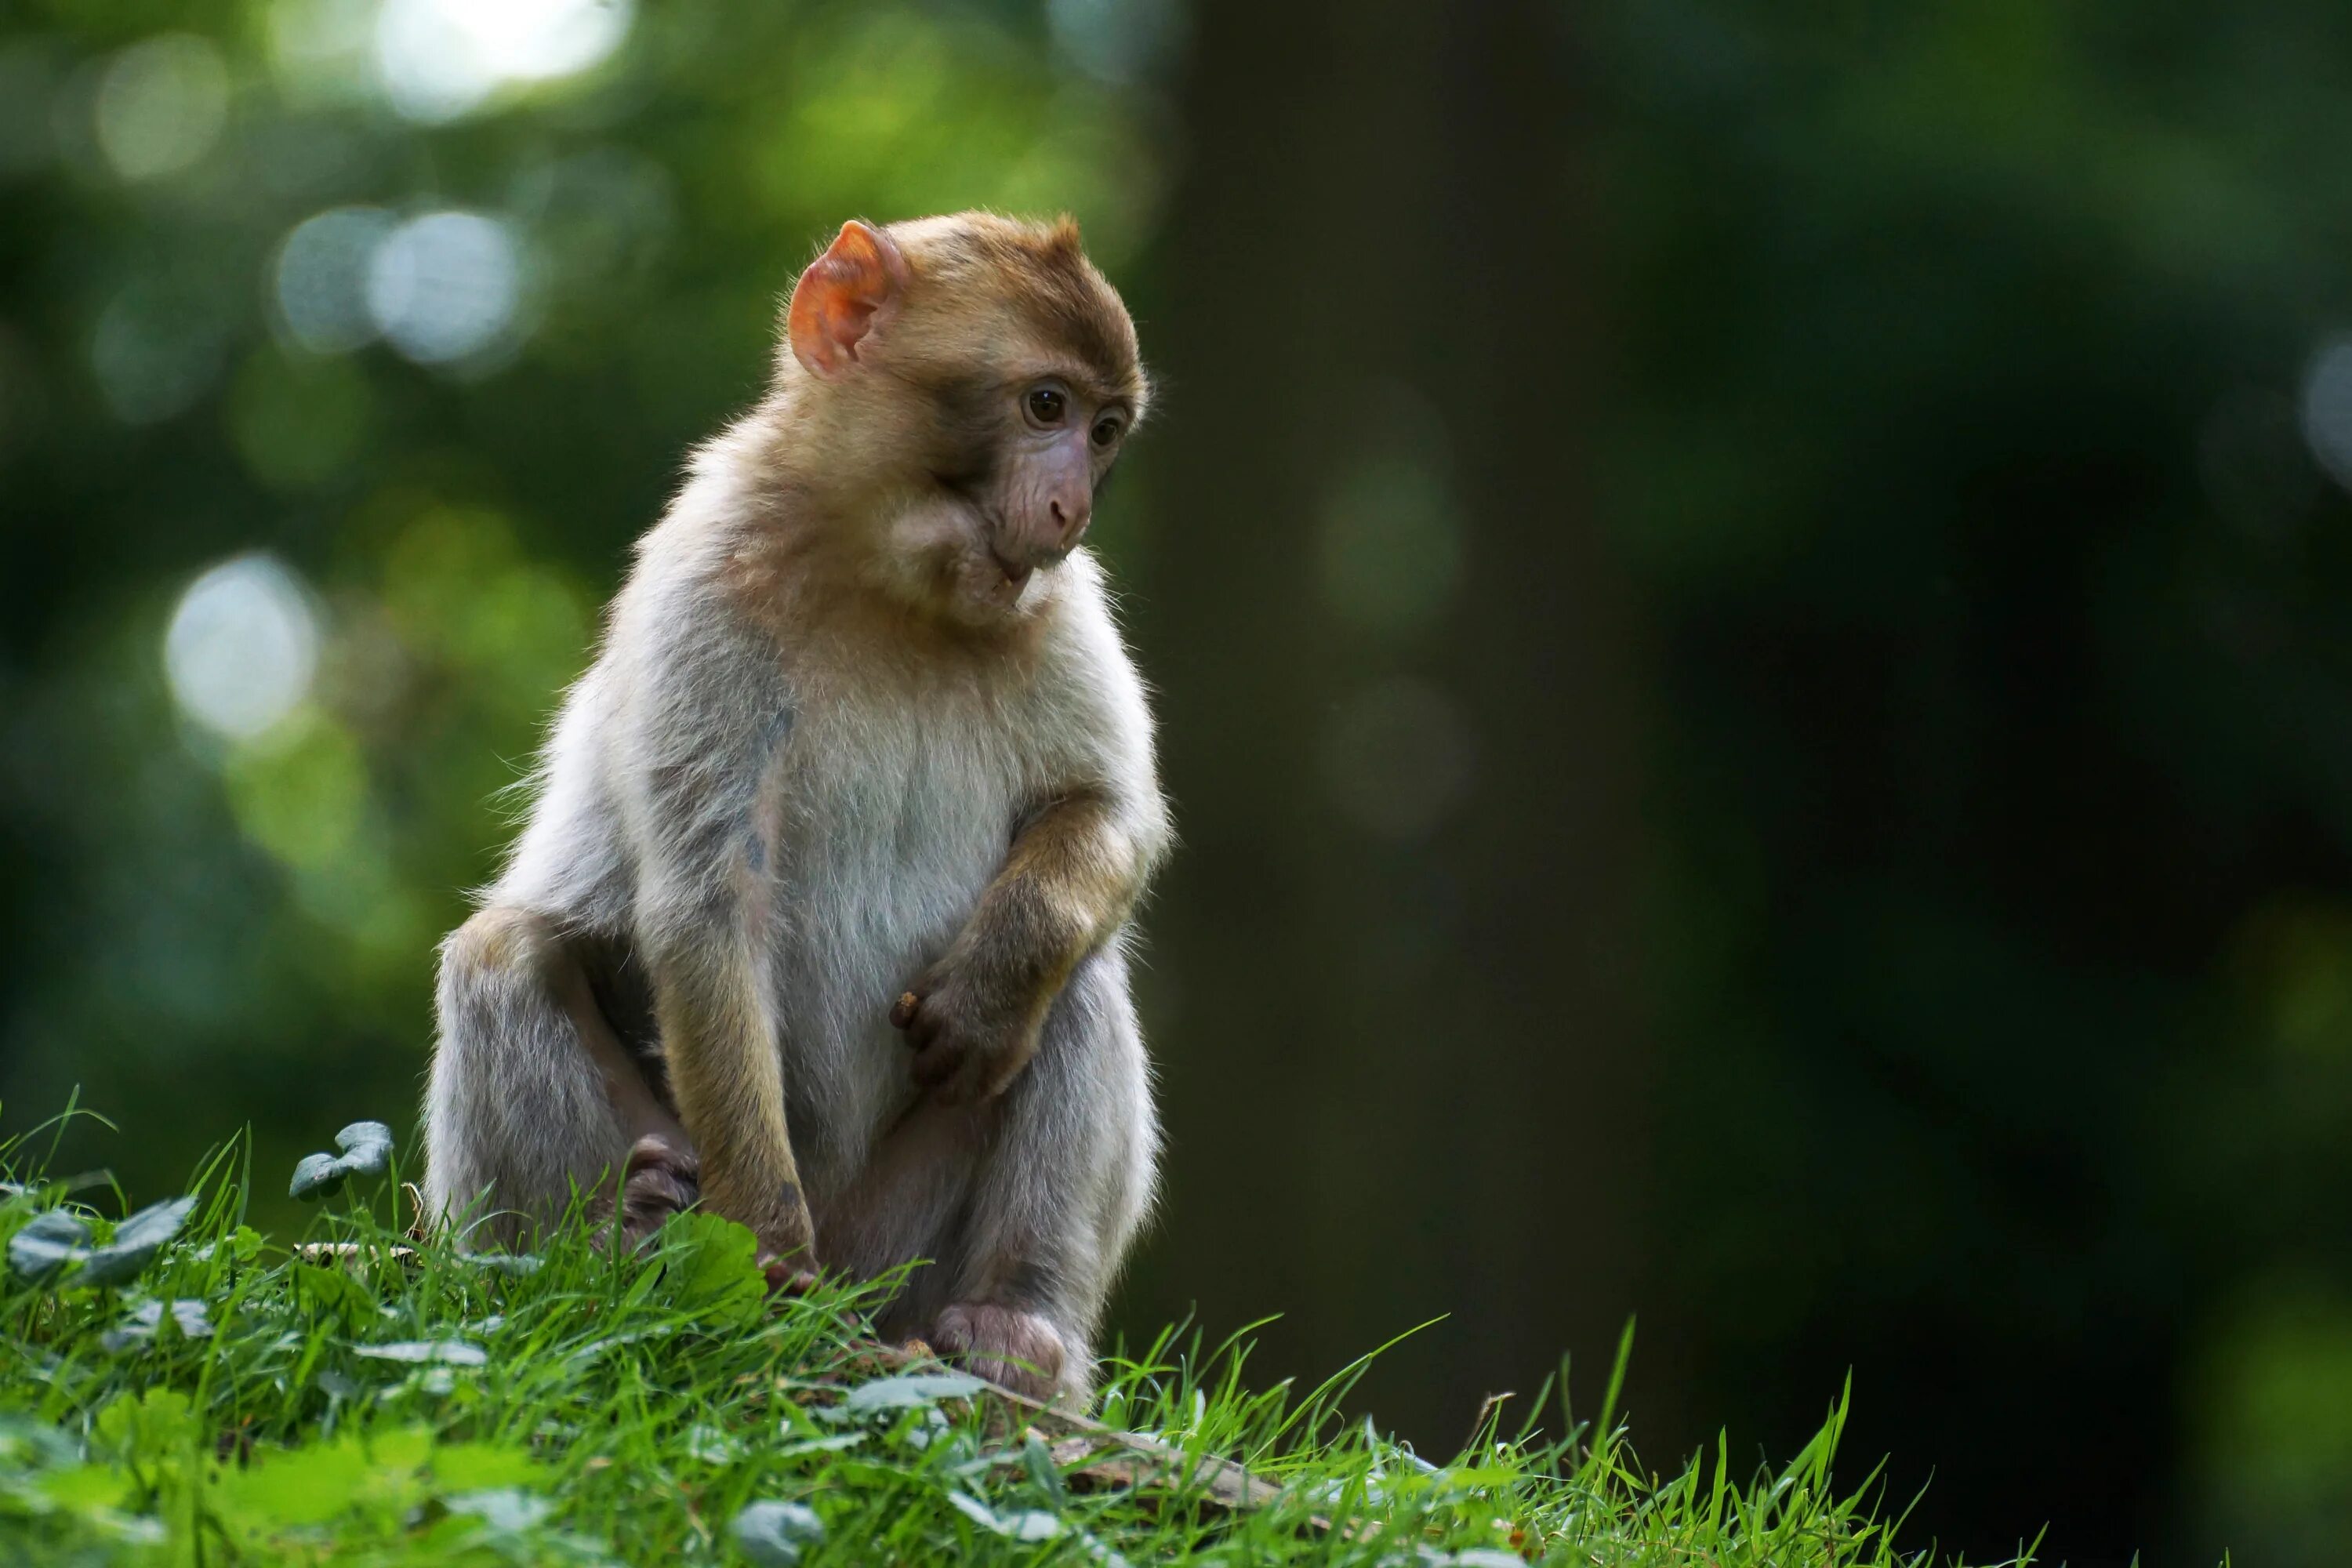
<point>499,944</point>
<point>517,1116</point>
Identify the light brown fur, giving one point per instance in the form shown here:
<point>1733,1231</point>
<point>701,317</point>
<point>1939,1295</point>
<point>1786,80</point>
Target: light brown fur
<point>861,730</point>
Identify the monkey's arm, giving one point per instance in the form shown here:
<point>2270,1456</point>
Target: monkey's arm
<point>713,712</point>
<point>1075,869</point>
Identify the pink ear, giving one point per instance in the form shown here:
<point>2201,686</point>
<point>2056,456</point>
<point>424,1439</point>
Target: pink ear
<point>844,294</point>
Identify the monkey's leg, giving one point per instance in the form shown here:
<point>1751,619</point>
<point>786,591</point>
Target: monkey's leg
<point>1059,1192</point>
<point>532,1097</point>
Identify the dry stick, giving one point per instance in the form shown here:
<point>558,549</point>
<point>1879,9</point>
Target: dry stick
<point>1078,1438</point>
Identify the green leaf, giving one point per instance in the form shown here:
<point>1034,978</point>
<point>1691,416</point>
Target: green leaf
<point>1029,1524</point>
<point>334,1294</point>
<point>296,1487</point>
<point>482,1468</point>
<point>54,1246</point>
<point>88,1491</point>
<point>242,1245</point>
<point>49,1243</point>
<point>908,1390</point>
<point>366,1151</point>
<point>26,1443</point>
<point>1038,1460</point>
<point>159,1422</point>
<point>711,1269</point>
<point>773,1533</point>
<point>187,1317</point>
<point>135,1243</point>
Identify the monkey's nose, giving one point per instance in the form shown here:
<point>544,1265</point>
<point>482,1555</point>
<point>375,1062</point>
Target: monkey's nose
<point>1069,520</point>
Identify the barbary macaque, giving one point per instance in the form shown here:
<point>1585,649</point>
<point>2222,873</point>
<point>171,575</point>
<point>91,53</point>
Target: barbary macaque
<point>821,914</point>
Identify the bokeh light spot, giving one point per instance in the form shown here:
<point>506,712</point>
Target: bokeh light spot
<point>242,647</point>
<point>445,287</point>
<point>2328,409</point>
<point>323,50</point>
<point>438,60</point>
<point>321,278</point>
<point>161,105</point>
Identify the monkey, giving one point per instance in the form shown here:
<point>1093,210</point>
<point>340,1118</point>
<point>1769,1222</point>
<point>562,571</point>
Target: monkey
<point>823,909</point>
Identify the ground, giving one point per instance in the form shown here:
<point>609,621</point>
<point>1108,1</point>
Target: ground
<point>178,1388</point>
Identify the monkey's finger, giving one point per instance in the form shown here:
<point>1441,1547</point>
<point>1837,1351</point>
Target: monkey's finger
<point>937,1062</point>
<point>902,1011</point>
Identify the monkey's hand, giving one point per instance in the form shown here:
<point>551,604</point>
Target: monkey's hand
<point>971,1040</point>
<point>662,1178</point>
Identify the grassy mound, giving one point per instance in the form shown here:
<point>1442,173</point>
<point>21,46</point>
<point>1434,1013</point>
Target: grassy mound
<point>176,1388</point>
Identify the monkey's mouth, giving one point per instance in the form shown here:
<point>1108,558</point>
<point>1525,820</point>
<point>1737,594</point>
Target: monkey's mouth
<point>1015,577</point>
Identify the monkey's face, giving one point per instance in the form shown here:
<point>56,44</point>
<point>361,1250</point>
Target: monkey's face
<point>1017,459</point>
<point>988,376</point>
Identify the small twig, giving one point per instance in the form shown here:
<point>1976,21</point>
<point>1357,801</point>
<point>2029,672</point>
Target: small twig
<point>1111,1461</point>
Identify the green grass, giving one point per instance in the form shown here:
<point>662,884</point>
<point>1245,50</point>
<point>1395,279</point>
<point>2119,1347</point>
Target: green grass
<point>230,1401</point>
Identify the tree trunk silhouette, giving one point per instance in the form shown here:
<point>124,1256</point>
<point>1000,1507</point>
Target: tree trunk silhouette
<point>1367,1013</point>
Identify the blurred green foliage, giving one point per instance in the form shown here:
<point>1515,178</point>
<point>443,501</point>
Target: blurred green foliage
<point>1749,608</point>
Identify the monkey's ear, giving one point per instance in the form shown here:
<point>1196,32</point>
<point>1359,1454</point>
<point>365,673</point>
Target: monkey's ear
<point>844,294</point>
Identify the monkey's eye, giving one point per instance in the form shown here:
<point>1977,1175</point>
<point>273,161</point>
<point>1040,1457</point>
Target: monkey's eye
<point>1045,404</point>
<point>1106,431</point>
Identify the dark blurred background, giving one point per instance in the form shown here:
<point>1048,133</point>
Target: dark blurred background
<point>1753,616</point>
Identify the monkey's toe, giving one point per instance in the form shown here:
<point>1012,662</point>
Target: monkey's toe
<point>787,1275</point>
<point>1011,1348</point>
<point>659,1180</point>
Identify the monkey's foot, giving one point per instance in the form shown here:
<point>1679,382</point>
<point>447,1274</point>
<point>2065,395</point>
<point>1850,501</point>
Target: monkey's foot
<point>1018,1350</point>
<point>660,1179</point>
<point>787,1276</point>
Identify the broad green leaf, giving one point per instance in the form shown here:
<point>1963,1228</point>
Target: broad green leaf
<point>160,1422</point>
<point>710,1269</point>
<point>55,1246</point>
<point>773,1533</point>
<point>1028,1524</point>
<point>26,1443</point>
<point>311,1485</point>
<point>481,1467</point>
<point>298,1486</point>
<point>188,1318</point>
<point>909,1389</point>
<point>334,1294</point>
<point>135,1243</point>
<point>84,1489</point>
<point>49,1243</point>
<point>366,1151</point>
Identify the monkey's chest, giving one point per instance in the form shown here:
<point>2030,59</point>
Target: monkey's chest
<point>888,832</point>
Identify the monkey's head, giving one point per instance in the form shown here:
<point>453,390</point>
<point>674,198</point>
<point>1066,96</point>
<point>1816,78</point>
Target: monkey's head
<point>974,379</point>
